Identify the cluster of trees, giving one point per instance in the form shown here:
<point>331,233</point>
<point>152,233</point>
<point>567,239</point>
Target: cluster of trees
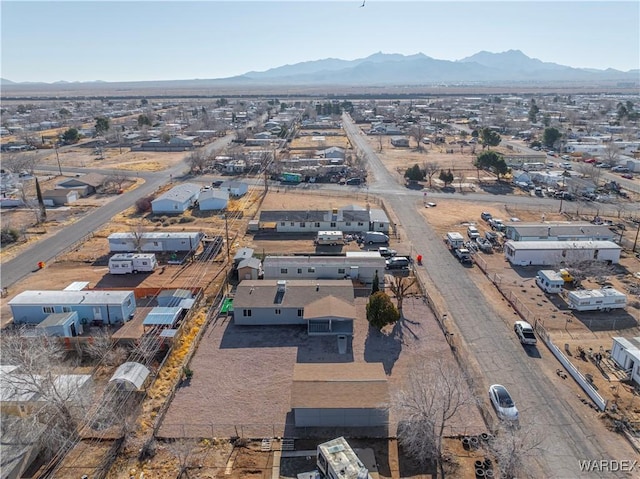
<point>490,160</point>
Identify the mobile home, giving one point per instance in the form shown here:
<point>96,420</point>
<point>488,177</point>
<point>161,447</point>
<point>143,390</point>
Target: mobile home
<point>550,281</point>
<point>540,253</point>
<point>123,263</point>
<point>596,299</point>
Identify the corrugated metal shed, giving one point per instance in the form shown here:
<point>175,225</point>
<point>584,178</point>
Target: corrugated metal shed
<point>162,316</point>
<point>131,375</point>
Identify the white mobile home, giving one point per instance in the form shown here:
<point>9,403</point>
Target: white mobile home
<point>543,253</point>
<point>177,200</point>
<point>596,299</point>
<point>360,267</point>
<point>154,241</point>
<point>582,231</point>
<point>124,263</point>
<point>550,281</point>
<point>213,199</point>
<point>626,353</point>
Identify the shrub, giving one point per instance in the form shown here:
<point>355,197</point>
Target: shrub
<point>8,235</point>
<point>187,219</point>
<point>143,205</point>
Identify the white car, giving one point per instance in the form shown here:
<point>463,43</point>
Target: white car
<point>502,402</point>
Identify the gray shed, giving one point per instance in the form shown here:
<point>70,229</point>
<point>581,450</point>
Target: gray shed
<point>130,376</point>
<point>65,325</point>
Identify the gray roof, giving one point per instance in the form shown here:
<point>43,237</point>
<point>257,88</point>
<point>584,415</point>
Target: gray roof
<point>157,235</point>
<point>560,229</point>
<point>181,193</point>
<point>213,193</point>
<point>292,215</point>
<point>243,253</point>
<point>298,294</point>
<point>57,319</point>
<point>374,259</point>
<point>163,316</point>
<point>560,245</point>
<point>97,297</point>
<point>250,263</point>
<point>91,179</point>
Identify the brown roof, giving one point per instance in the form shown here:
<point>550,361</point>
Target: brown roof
<point>91,179</point>
<point>339,385</point>
<point>330,306</point>
<point>299,292</point>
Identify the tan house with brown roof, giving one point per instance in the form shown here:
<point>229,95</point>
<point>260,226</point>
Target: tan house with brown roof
<point>324,306</point>
<point>340,395</point>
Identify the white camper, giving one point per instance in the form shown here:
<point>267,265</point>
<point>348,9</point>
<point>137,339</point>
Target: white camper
<point>604,299</point>
<point>330,238</point>
<point>124,263</point>
<point>550,281</point>
<point>455,239</point>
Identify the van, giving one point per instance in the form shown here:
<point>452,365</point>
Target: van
<point>472,232</point>
<point>354,181</point>
<point>371,237</point>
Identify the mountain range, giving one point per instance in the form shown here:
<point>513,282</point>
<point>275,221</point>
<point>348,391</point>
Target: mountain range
<point>396,69</point>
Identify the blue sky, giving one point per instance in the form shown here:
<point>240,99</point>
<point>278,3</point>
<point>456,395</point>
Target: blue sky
<point>164,40</point>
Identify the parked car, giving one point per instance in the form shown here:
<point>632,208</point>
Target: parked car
<point>371,237</point>
<point>566,165</point>
<point>397,262</point>
<point>628,176</point>
<point>525,333</point>
<point>472,232</point>
<point>354,181</point>
<point>503,403</point>
<point>386,252</point>
<point>620,169</point>
<point>486,215</point>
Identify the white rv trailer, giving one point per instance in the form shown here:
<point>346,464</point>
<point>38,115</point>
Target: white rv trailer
<point>124,263</point>
<point>604,299</point>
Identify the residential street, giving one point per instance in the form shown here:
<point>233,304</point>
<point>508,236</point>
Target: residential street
<point>569,437</point>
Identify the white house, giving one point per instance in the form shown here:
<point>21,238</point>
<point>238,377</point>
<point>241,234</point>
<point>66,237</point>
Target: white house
<point>155,241</point>
<point>558,232</point>
<point>353,218</point>
<point>362,268</point>
<point>551,253</point>
<point>177,200</point>
<point>213,199</point>
<point>626,353</point>
<point>235,188</point>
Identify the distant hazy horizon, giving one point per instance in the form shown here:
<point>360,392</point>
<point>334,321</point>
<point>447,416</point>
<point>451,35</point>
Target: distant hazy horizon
<point>167,40</point>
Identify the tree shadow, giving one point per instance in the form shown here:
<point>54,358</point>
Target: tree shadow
<point>380,347</point>
<point>497,188</point>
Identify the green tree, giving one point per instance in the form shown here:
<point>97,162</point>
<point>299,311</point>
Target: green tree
<point>102,125</point>
<point>144,120</point>
<point>375,285</point>
<point>144,102</point>
<point>489,138</point>
<point>42,210</point>
<point>446,177</point>
<point>414,173</point>
<point>64,113</point>
<point>550,136</point>
<point>475,134</point>
<point>493,161</point>
<point>381,310</point>
<point>533,111</point>
<point>71,136</point>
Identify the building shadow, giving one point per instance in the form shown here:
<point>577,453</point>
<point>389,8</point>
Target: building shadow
<point>382,348</point>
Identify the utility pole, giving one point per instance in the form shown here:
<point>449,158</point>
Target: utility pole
<point>55,146</point>
<point>226,233</point>
<point>635,242</point>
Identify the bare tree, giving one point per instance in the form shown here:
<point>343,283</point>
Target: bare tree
<point>58,403</point>
<point>589,171</point>
<point>182,449</point>
<point>102,348</point>
<point>197,161</point>
<point>430,169</point>
<point>399,287</point>
<point>433,394</point>
<point>417,133</point>
<point>18,162</point>
<point>511,446</point>
<point>114,182</point>
<point>611,154</point>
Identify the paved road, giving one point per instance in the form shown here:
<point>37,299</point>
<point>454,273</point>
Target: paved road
<point>569,437</point>
<point>46,249</point>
